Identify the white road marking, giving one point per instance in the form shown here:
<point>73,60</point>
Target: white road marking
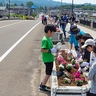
<point>11,24</point>
<point>12,47</point>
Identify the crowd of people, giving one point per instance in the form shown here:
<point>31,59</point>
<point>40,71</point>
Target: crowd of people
<point>84,45</point>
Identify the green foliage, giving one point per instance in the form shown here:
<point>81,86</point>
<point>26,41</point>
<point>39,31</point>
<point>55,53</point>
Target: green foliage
<point>66,82</point>
<point>7,5</point>
<point>89,7</point>
<point>68,68</point>
<point>34,15</point>
<point>13,15</point>
<point>29,4</point>
<point>1,4</point>
<point>22,4</point>
<point>15,4</point>
<point>79,82</point>
<point>82,6</point>
<point>20,15</point>
<point>64,75</point>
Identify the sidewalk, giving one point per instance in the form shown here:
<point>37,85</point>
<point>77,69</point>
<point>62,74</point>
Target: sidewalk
<point>87,30</point>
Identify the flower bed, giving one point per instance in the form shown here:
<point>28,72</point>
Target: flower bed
<point>68,69</point>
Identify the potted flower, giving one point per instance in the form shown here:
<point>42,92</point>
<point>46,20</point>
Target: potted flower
<point>67,80</point>
<point>76,74</point>
<point>79,82</point>
<point>60,58</point>
<point>80,62</point>
<point>68,67</point>
<point>61,67</point>
<point>73,61</point>
<point>65,74</point>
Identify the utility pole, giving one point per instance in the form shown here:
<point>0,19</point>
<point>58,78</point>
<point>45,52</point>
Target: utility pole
<point>61,7</point>
<point>72,6</point>
<point>9,9</point>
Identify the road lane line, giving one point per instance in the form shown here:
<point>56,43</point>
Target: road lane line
<point>12,47</point>
<point>11,24</point>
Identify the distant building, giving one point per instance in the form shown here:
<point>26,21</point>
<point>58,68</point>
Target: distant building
<point>19,10</point>
<point>3,11</point>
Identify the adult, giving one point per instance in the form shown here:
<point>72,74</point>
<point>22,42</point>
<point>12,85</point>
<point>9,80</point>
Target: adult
<point>72,20</point>
<point>72,40</point>
<point>92,77</point>
<point>63,25</point>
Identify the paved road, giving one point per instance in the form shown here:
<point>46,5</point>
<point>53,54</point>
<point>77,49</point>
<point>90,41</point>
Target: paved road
<point>20,64</point>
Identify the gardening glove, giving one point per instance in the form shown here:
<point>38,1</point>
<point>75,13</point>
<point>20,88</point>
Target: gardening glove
<point>84,64</point>
<point>69,52</point>
<point>53,50</point>
<point>58,45</point>
<point>80,70</point>
<point>86,68</point>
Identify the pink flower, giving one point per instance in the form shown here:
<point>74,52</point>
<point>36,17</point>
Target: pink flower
<point>60,58</point>
<point>64,62</point>
<point>77,65</point>
<point>83,79</point>
<point>76,74</point>
<point>76,79</point>
<point>59,53</point>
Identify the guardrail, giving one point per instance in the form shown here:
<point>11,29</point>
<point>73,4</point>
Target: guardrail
<point>88,23</point>
<point>94,24</point>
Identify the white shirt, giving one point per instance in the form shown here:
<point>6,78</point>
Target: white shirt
<point>92,58</point>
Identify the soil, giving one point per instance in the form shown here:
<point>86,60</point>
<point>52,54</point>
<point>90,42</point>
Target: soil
<point>70,75</point>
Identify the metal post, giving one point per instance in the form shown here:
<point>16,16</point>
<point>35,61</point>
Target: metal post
<point>72,6</point>
<point>9,9</point>
<point>61,7</point>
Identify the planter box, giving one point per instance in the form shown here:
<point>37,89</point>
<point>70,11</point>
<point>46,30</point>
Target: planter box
<point>66,90</point>
<point>57,37</point>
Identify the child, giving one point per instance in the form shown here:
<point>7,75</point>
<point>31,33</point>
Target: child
<point>93,55</point>
<point>43,19</point>
<point>47,57</point>
<point>88,48</point>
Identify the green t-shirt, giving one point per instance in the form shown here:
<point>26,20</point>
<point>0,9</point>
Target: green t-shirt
<point>47,44</point>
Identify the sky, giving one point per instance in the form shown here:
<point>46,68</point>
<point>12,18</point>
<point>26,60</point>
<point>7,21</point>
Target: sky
<point>78,1</point>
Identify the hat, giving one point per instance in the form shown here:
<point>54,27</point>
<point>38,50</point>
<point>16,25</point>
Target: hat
<point>74,29</point>
<point>88,42</point>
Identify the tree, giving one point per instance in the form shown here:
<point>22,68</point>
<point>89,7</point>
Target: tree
<point>1,4</point>
<point>29,4</point>
<point>22,4</point>
<point>15,4</point>
<point>7,6</point>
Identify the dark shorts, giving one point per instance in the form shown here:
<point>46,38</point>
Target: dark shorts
<point>90,94</point>
<point>76,21</point>
<point>49,67</point>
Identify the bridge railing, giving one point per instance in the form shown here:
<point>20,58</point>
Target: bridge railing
<point>85,22</point>
<point>94,24</point>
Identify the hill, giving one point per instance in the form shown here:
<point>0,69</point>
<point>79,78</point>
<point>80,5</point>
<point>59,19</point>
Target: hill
<point>36,2</point>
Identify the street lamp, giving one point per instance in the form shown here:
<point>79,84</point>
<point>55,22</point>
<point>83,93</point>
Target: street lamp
<point>72,6</point>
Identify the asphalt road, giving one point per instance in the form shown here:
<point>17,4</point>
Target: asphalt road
<point>20,64</point>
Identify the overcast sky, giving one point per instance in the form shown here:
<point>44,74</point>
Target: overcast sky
<point>78,1</point>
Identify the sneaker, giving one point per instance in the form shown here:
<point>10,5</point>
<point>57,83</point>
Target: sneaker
<point>44,88</point>
<point>48,87</point>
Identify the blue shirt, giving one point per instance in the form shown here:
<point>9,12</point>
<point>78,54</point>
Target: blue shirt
<point>73,40</point>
